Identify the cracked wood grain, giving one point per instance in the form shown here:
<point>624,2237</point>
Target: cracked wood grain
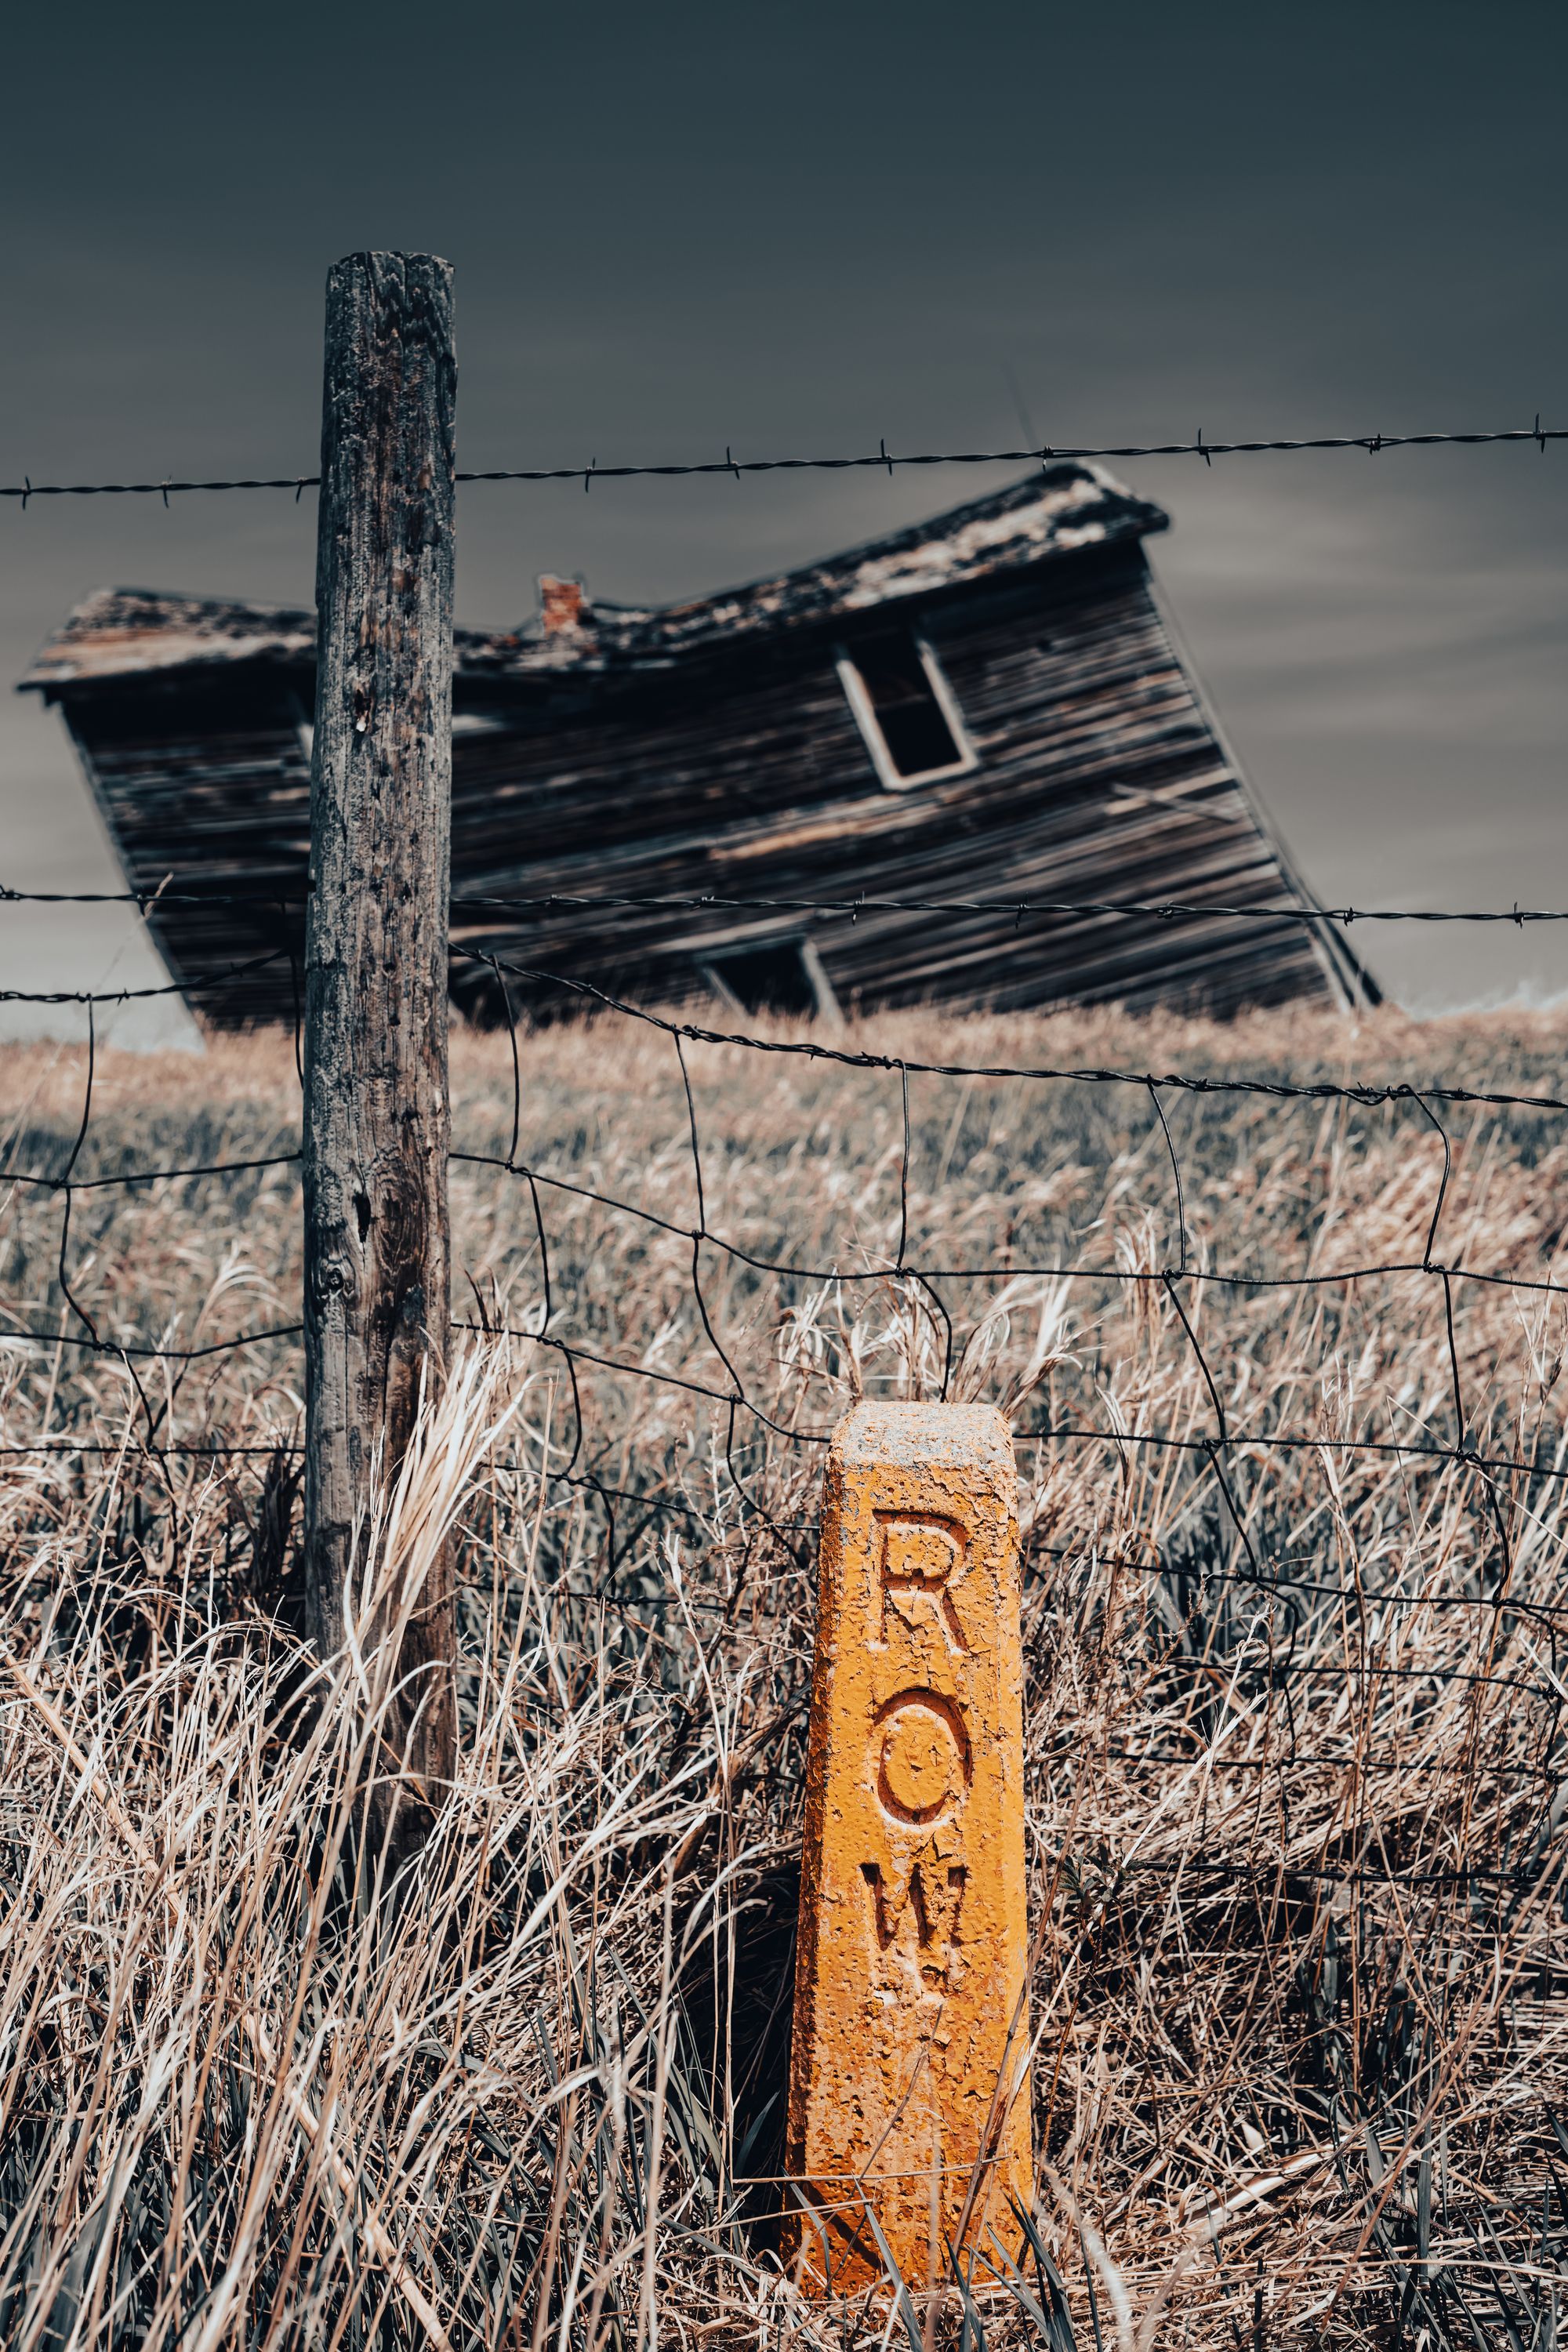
<point>376,1117</point>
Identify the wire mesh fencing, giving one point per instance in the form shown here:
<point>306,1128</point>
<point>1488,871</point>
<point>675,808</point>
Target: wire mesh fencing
<point>1275,1310</point>
<point>770,1297</point>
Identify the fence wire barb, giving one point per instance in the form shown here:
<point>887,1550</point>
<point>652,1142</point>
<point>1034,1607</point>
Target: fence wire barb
<point>1215,1452</point>
<point>849,910</point>
<point>1143,909</point>
<point>1294,1625</point>
<point>882,460</point>
<point>809,1049</point>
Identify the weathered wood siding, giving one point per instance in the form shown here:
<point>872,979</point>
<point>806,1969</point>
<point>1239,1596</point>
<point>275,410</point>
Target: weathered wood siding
<point>1098,777</point>
<point>738,769</point>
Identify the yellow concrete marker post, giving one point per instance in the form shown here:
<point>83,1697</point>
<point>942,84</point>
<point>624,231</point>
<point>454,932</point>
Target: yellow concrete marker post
<point>908,2088</point>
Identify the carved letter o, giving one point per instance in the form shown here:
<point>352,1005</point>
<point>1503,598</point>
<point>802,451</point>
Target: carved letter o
<point>923,1763</point>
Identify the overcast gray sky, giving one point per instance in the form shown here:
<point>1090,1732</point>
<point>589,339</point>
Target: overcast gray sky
<point>800,228</point>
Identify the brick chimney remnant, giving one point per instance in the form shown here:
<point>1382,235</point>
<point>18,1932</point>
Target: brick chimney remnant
<point>563,603</point>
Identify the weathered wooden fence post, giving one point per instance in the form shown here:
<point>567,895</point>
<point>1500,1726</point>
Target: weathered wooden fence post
<point>377,1280</point>
<point>909,2095</point>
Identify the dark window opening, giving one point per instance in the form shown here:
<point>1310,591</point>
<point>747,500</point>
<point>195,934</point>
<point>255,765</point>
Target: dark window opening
<point>905,710</point>
<point>775,976</point>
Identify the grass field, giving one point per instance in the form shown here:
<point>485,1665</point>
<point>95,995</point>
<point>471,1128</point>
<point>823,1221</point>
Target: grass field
<point>1294,1770</point>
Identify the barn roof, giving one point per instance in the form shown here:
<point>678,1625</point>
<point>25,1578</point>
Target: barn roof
<point>124,633</point>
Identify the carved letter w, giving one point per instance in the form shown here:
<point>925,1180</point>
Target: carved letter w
<point>933,1891</point>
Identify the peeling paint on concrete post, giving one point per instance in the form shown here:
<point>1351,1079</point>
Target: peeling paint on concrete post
<point>908,2089</point>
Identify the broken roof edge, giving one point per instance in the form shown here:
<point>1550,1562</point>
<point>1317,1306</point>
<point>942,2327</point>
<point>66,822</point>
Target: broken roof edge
<point>1066,508</point>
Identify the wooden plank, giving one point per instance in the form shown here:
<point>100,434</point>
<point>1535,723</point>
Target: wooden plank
<point>376,1119</point>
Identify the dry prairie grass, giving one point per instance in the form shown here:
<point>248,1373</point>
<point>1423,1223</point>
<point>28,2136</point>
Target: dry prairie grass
<point>1295,1775</point>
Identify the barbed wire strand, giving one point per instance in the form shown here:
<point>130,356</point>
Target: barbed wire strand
<point>1217,1453</point>
<point>847,909</point>
<point>884,460</point>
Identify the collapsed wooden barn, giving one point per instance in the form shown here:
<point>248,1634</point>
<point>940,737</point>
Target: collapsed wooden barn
<point>988,707</point>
